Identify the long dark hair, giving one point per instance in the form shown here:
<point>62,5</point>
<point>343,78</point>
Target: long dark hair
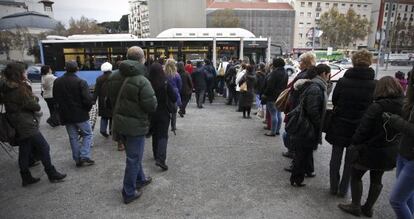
<point>409,101</point>
<point>14,72</point>
<point>157,75</point>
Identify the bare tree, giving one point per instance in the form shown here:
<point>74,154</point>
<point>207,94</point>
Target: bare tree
<point>6,42</point>
<point>84,26</point>
<point>225,18</point>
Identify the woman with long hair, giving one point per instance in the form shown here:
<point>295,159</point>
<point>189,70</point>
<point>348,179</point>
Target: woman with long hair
<point>375,146</point>
<point>402,194</point>
<point>23,109</point>
<point>160,120</point>
<point>47,90</point>
<point>187,88</point>
<point>174,80</point>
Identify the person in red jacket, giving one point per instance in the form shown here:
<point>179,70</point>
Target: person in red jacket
<point>189,67</point>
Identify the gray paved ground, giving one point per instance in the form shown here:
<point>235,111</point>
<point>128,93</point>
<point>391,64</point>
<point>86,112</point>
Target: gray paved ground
<point>221,166</point>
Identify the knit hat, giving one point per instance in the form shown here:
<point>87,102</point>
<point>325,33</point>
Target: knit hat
<point>106,67</point>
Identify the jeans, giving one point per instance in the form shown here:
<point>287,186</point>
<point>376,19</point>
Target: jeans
<point>402,194</point>
<point>258,102</point>
<point>85,131</point>
<point>134,172</point>
<point>104,124</point>
<point>286,141</point>
<point>334,168</point>
<point>38,142</point>
<point>276,117</point>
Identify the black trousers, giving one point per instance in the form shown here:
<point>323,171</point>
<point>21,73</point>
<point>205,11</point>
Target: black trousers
<point>302,163</point>
<point>159,128</point>
<point>54,116</point>
<point>232,95</point>
<point>174,118</point>
<point>184,100</point>
<point>199,97</point>
<point>38,142</point>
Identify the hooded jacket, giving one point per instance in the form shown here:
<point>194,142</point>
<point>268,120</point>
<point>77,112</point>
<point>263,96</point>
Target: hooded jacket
<point>137,99</point>
<point>21,110</point>
<point>314,102</point>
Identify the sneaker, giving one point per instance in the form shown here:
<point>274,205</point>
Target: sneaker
<point>162,165</point>
<point>288,154</point>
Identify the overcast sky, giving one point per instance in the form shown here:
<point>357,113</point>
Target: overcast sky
<point>100,10</point>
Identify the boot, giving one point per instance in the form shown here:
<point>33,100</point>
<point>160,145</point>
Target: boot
<point>27,178</point>
<point>355,207</point>
<point>373,194</point>
<point>54,176</point>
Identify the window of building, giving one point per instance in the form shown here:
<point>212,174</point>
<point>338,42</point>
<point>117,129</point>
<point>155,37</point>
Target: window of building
<point>327,4</point>
<point>343,4</point>
<point>309,23</point>
<point>385,14</point>
<point>335,4</point>
<point>386,7</point>
<point>317,14</point>
<point>412,8</point>
<point>364,16</point>
<point>309,14</point>
<point>358,6</point>
<point>302,4</point>
<point>301,35</point>
<point>309,4</point>
<point>365,6</point>
<point>302,14</point>
<point>351,5</point>
<point>406,8</point>
<point>318,4</point>
<point>393,7</point>
<point>385,23</point>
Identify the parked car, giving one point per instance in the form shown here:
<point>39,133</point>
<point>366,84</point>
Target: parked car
<point>344,63</point>
<point>33,73</point>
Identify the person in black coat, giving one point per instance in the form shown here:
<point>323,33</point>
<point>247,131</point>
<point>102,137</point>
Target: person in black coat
<point>402,194</point>
<point>186,89</point>
<point>230,78</point>
<point>211,78</point>
<point>376,144</point>
<point>259,85</point>
<point>23,113</point>
<point>275,83</point>
<point>74,103</point>
<point>160,120</point>
<point>100,94</point>
<point>351,97</point>
<point>312,105</point>
<point>247,96</point>
<point>200,83</point>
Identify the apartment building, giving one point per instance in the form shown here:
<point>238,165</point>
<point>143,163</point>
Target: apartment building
<point>139,18</point>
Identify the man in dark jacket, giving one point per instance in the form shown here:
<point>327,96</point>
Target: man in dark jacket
<point>133,100</point>
<point>200,83</point>
<point>276,82</point>
<point>211,78</point>
<point>230,78</point>
<point>74,100</point>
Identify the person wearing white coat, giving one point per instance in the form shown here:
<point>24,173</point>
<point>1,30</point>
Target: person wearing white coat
<point>47,92</point>
<point>239,76</point>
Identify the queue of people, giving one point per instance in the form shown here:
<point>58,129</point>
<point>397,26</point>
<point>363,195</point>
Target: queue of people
<point>370,121</point>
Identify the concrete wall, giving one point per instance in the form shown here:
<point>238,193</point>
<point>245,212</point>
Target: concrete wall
<point>165,14</point>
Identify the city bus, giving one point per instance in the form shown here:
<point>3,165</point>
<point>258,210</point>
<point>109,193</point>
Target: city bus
<point>90,51</point>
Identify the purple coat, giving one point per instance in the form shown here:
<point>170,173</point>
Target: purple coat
<point>176,83</point>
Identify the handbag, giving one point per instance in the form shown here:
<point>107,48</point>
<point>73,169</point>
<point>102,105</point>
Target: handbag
<point>298,124</point>
<point>243,87</point>
<point>281,102</point>
<point>7,131</point>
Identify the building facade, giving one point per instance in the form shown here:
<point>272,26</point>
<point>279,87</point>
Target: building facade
<point>401,26</point>
<point>164,15</point>
<point>308,13</point>
<point>138,18</point>
<point>267,19</point>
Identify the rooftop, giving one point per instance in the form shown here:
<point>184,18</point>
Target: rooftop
<point>30,19</point>
<point>260,5</point>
